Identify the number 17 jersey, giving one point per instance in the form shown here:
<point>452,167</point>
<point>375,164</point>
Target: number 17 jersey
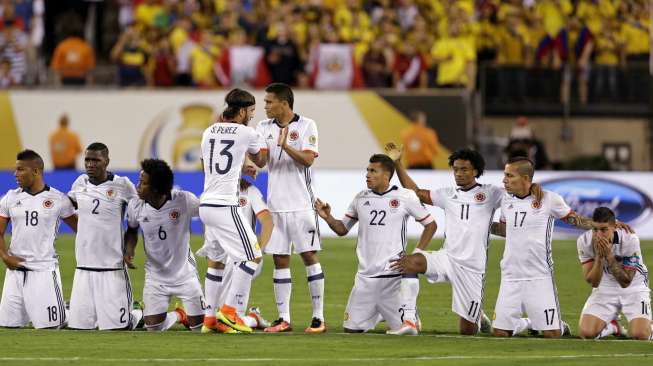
<point>224,148</point>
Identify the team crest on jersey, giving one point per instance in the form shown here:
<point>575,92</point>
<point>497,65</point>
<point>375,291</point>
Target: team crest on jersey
<point>174,215</point>
<point>293,136</point>
<point>111,193</point>
<point>394,203</point>
<point>48,203</point>
<point>242,201</point>
<point>479,197</point>
<point>536,204</point>
<point>312,139</point>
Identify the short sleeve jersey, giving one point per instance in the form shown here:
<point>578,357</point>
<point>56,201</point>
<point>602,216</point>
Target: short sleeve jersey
<point>101,208</point>
<point>529,230</point>
<point>35,223</point>
<point>166,236</point>
<point>382,220</point>
<point>224,148</point>
<point>626,249</point>
<point>290,186</point>
<point>468,216</point>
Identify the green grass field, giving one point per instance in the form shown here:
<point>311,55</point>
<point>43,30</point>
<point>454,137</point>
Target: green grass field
<point>438,344</point>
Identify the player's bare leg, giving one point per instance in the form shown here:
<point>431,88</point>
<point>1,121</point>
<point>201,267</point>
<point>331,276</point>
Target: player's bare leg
<point>556,333</point>
<point>282,289</point>
<point>640,329</point>
<point>315,278</point>
<point>501,332</point>
<point>466,327</point>
<point>590,326</point>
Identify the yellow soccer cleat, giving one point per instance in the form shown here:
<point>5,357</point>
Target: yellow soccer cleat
<point>228,316</point>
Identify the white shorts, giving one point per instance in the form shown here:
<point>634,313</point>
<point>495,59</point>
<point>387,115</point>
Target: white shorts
<point>372,300</point>
<point>606,305</point>
<point>31,296</point>
<point>225,229</point>
<point>157,296</point>
<point>297,230</point>
<point>537,298</point>
<point>101,299</point>
<point>466,285</point>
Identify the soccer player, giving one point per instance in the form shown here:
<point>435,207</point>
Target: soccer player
<point>220,267</point>
<point>225,145</point>
<point>382,212</point>
<point>462,260</point>
<point>292,143</point>
<point>164,216</point>
<point>612,263</point>
<point>102,295</point>
<point>32,288</point>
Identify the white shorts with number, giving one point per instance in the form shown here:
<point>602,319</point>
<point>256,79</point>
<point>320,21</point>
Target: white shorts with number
<point>227,229</point>
<point>606,305</point>
<point>537,298</point>
<point>157,296</point>
<point>100,299</point>
<point>31,296</point>
<point>371,300</point>
<point>466,285</point>
<point>297,231</point>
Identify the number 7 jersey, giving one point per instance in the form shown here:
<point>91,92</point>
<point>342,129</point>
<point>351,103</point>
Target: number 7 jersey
<point>224,148</point>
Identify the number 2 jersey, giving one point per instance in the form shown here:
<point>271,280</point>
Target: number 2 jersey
<point>382,220</point>
<point>224,148</point>
<point>166,236</point>
<point>35,223</point>
<point>529,232</point>
<point>99,243</point>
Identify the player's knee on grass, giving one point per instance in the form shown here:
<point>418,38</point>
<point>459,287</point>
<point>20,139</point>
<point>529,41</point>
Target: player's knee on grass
<point>556,333</point>
<point>639,329</point>
<point>281,261</point>
<point>590,326</point>
<point>467,327</point>
<point>502,333</point>
<point>152,321</point>
<point>415,263</point>
<point>309,258</point>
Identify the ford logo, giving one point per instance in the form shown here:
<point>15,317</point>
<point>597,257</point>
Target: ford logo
<point>583,195</point>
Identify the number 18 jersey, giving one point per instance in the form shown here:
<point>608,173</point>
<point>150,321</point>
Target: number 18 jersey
<point>224,148</point>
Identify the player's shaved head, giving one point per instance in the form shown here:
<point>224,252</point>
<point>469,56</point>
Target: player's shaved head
<point>32,158</point>
<point>99,147</point>
<point>524,166</point>
<point>604,215</point>
<point>386,163</point>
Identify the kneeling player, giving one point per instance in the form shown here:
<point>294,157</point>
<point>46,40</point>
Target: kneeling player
<point>164,217</point>
<point>32,288</point>
<point>612,264</point>
<point>382,212</point>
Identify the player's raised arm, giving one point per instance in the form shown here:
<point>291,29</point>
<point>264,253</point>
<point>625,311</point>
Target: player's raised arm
<point>338,226</point>
<point>395,152</point>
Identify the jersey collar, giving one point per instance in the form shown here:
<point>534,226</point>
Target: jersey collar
<point>46,188</point>
<point>110,177</point>
<point>615,238</point>
<point>295,118</point>
<point>469,189</point>
<point>393,188</point>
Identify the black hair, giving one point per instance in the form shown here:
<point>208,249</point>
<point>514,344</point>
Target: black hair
<point>525,165</point>
<point>237,99</point>
<point>473,156</point>
<point>160,174</point>
<point>100,147</point>
<point>604,214</point>
<point>385,162</point>
<point>282,92</point>
<point>31,156</point>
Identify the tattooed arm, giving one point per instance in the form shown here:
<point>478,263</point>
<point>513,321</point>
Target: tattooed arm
<point>578,221</point>
<point>622,275</point>
<point>498,228</point>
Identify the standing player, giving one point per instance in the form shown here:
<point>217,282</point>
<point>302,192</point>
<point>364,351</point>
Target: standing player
<point>32,288</point>
<point>612,264</point>
<point>225,145</point>
<point>164,216</point>
<point>292,142</point>
<point>220,268</point>
<point>462,261</point>
<point>102,295</point>
<point>382,212</point>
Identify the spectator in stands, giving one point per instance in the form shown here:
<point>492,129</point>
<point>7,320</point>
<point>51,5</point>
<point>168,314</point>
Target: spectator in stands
<point>608,54</point>
<point>131,58</point>
<point>523,143</point>
<point>420,142</point>
<point>202,60</point>
<point>409,70</point>
<point>552,49</point>
<point>64,145</point>
<point>513,51</point>
<point>13,43</point>
<point>455,57</point>
<point>73,59</point>
<point>376,67</point>
<point>6,78</point>
<point>149,13</point>
<point>164,64</point>
<point>182,46</point>
<point>406,13</point>
<point>282,57</point>
<point>636,28</point>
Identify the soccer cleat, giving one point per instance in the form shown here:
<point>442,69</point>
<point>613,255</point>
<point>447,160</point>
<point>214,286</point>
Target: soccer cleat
<point>183,318</point>
<point>255,313</point>
<point>486,324</point>
<point>407,328</point>
<point>137,305</point>
<point>566,331</point>
<point>621,332</point>
<point>210,324</point>
<point>227,315</point>
<point>317,326</point>
<point>223,328</point>
<point>278,326</point>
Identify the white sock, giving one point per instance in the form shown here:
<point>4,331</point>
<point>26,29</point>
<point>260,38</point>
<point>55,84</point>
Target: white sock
<point>249,321</point>
<point>408,294</point>
<point>282,288</point>
<point>137,315</point>
<point>171,319</point>
<point>241,283</point>
<point>212,289</point>
<point>259,269</point>
<point>315,278</point>
<point>609,330</point>
<point>521,325</point>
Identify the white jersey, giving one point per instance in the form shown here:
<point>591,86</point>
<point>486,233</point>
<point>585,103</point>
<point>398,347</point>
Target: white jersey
<point>224,148</point>
<point>290,186</point>
<point>382,227</point>
<point>34,225</point>
<point>468,216</point>
<point>251,204</point>
<point>99,243</point>
<point>529,230</point>
<point>626,249</point>
<point>166,236</point>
